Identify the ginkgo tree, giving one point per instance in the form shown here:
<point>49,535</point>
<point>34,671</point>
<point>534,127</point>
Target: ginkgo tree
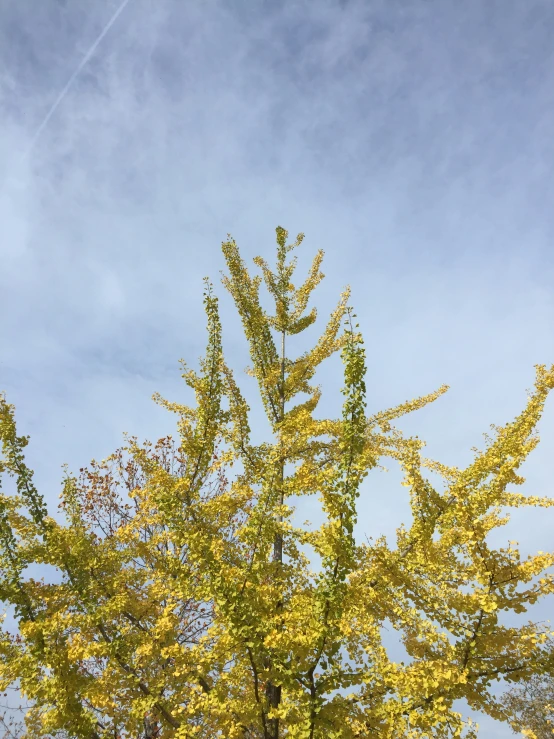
<point>190,609</point>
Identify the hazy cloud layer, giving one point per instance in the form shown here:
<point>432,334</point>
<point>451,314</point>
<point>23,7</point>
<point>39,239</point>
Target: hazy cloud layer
<point>411,141</point>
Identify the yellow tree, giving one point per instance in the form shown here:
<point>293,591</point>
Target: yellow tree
<point>195,612</point>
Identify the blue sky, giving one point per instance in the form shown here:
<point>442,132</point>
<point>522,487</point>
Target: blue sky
<point>410,141</point>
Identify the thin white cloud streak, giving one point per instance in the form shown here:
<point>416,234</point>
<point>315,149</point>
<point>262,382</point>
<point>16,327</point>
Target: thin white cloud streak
<point>74,76</point>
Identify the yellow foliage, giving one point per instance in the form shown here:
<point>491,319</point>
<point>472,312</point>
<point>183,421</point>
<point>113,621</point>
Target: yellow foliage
<point>196,609</point>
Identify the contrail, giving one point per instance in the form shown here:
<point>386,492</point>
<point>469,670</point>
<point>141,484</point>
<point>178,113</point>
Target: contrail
<point>73,77</point>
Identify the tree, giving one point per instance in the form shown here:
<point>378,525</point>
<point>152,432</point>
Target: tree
<point>531,706</point>
<point>197,614</point>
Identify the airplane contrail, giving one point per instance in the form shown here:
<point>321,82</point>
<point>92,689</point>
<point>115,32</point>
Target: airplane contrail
<point>73,77</point>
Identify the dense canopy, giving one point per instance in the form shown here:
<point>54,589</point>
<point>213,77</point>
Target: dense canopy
<point>188,608</point>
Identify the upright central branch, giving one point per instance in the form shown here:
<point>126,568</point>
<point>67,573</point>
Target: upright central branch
<point>274,691</point>
<point>278,545</point>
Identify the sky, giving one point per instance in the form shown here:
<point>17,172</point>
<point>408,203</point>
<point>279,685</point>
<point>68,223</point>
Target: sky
<point>412,142</point>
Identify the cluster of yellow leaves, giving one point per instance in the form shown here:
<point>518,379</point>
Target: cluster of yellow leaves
<point>198,608</point>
